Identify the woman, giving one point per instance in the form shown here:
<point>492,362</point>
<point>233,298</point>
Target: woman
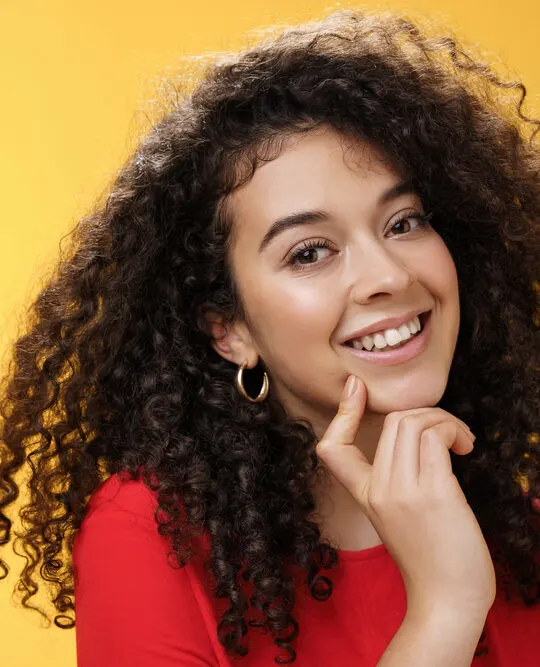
<point>249,395</point>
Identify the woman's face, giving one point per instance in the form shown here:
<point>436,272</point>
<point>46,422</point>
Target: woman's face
<point>300,310</point>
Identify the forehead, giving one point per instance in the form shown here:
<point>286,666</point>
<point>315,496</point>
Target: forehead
<point>317,169</point>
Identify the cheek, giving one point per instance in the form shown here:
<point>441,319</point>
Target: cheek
<point>440,276</point>
<point>296,313</point>
<point>439,271</point>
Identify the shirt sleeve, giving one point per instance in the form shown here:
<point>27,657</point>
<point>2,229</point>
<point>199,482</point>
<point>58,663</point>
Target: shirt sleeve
<point>132,608</point>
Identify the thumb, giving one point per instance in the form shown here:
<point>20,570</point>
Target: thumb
<point>336,449</point>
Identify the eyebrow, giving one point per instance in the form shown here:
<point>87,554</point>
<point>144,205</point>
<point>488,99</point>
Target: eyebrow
<point>312,217</point>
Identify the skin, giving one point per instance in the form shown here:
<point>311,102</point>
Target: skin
<point>297,315</point>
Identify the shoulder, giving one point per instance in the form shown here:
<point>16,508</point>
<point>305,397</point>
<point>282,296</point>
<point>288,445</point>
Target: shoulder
<point>121,493</point>
<point>120,519</point>
<point>122,514</point>
<point>122,499</point>
<point>132,607</point>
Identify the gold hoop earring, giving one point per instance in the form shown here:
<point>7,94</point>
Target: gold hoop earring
<point>240,386</point>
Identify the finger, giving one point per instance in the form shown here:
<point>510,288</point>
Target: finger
<point>384,455</point>
<point>383,463</point>
<point>435,461</point>
<point>347,463</point>
<point>462,445</point>
<point>351,468</point>
<point>406,461</point>
<point>343,428</point>
<point>445,412</point>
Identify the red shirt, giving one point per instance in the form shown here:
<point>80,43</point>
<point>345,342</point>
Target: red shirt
<point>135,610</point>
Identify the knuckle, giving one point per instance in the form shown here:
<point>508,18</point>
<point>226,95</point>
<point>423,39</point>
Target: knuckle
<point>392,418</point>
<point>322,447</point>
<point>429,436</point>
<point>410,421</point>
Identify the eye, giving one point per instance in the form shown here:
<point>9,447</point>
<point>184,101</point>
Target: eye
<point>423,220</point>
<point>307,251</point>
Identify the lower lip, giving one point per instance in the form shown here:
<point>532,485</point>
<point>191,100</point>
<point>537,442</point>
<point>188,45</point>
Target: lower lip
<point>401,354</point>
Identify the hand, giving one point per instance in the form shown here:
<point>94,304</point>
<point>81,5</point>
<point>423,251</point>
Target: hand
<point>415,502</point>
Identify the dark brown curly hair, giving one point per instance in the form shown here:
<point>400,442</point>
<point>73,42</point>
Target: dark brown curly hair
<point>115,371</point>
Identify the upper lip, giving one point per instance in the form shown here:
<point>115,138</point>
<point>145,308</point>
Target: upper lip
<point>386,323</point>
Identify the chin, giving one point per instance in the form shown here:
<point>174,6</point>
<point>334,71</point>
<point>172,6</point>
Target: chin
<point>383,401</point>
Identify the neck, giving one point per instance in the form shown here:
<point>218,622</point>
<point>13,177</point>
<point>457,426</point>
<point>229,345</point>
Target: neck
<point>340,517</point>
<point>342,522</point>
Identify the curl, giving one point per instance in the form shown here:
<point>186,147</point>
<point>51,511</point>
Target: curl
<point>116,372</point>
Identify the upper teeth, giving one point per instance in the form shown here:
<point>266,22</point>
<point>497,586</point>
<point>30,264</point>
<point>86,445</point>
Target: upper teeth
<point>388,336</point>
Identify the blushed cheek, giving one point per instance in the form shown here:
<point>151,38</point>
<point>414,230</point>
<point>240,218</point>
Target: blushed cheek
<point>295,318</point>
<point>444,272</point>
<point>442,281</point>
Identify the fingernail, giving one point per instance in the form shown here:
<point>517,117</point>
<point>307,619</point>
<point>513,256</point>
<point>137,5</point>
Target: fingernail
<point>352,384</point>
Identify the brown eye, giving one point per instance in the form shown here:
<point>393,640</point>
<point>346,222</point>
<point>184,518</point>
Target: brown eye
<point>304,256</point>
<point>310,250</point>
<point>423,220</point>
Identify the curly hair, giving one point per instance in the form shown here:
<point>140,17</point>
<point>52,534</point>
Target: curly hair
<point>115,371</point>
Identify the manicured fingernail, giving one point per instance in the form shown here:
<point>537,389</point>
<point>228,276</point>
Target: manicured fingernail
<point>352,384</point>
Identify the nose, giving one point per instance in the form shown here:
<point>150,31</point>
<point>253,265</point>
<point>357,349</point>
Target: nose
<point>377,270</point>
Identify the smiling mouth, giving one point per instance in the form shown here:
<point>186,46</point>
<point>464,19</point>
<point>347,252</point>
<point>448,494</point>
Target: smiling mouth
<point>388,348</point>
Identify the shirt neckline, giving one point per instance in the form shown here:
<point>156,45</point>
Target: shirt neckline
<point>371,553</point>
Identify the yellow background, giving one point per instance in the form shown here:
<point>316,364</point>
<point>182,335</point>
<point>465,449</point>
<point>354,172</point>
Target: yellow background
<point>75,78</point>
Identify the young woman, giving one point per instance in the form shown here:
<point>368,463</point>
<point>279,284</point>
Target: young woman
<point>248,397</point>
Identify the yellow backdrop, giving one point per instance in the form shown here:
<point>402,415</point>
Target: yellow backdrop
<point>75,75</point>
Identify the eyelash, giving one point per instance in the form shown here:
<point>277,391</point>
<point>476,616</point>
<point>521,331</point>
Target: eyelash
<point>423,218</point>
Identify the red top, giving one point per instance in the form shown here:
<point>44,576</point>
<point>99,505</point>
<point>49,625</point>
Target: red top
<point>135,610</point>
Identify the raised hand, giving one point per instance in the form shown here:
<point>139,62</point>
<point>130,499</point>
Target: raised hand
<point>415,502</point>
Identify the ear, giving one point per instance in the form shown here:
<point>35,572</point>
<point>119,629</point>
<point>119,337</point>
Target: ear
<point>231,340</point>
